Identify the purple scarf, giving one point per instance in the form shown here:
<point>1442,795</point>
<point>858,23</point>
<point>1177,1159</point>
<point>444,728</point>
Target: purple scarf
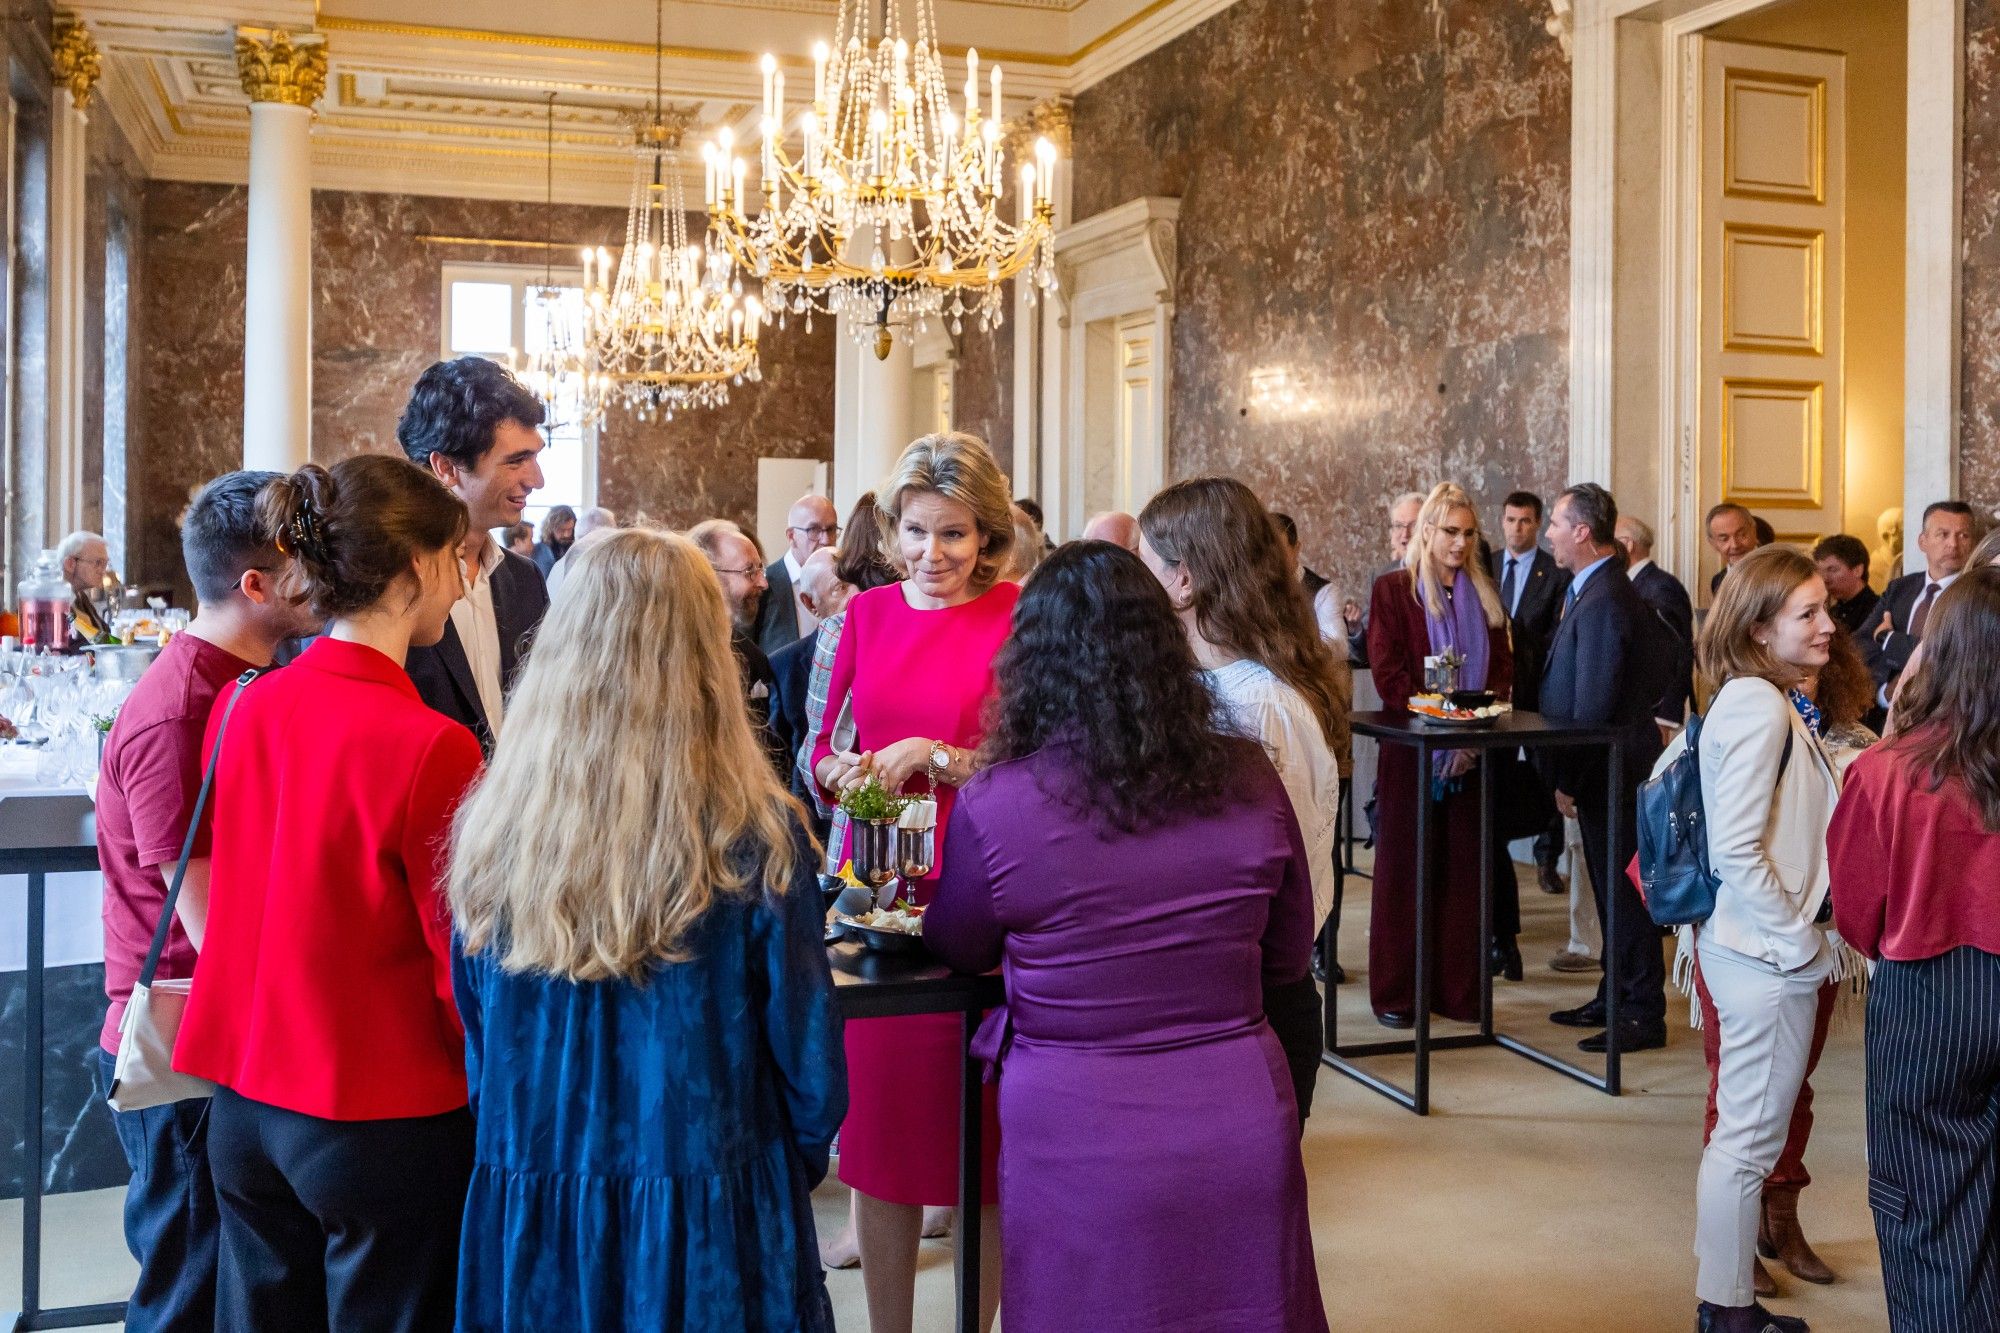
<point>1463,626</point>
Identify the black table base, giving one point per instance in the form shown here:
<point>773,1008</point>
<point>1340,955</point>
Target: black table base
<point>871,985</point>
<point>1511,731</point>
<point>38,863</point>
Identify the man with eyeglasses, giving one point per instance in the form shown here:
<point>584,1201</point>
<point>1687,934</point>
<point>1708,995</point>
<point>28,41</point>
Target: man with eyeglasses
<point>782,619</point>
<point>739,568</point>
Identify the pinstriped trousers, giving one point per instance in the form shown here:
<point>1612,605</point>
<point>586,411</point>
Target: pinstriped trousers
<point>1934,1139</point>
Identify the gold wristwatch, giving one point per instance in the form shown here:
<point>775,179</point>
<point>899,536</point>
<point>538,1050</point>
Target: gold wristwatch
<point>940,761</point>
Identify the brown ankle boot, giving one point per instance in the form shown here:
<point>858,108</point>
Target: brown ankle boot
<point>1779,1238</point>
<point>1761,1279</point>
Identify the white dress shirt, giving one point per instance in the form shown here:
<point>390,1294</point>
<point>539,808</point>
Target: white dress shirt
<point>1263,708</point>
<point>807,621</point>
<point>479,633</point>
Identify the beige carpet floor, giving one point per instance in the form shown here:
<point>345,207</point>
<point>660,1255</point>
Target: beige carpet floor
<point>1526,1203</point>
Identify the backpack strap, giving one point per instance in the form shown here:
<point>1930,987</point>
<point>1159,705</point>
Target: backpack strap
<point>160,932</point>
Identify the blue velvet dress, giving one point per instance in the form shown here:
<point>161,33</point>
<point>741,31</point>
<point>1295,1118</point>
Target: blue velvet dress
<point>646,1152</point>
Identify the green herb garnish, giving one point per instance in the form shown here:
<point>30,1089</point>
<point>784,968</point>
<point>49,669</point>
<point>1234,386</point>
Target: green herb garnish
<point>871,801</point>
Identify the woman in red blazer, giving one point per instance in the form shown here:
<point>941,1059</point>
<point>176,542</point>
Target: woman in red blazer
<point>1443,598</point>
<point>322,1005</point>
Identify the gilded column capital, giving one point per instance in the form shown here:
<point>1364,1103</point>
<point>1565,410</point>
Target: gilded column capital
<point>77,61</point>
<point>1047,119</point>
<point>275,68</point>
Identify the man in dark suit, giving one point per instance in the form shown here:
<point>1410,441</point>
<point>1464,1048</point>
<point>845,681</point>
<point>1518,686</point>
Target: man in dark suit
<point>781,618</point>
<point>1531,588</point>
<point>735,560</point>
<point>1732,534</point>
<point>1607,666</point>
<point>476,428</point>
<point>1949,533</point>
<point>1843,567</point>
<point>1668,597</point>
<point>824,593</point>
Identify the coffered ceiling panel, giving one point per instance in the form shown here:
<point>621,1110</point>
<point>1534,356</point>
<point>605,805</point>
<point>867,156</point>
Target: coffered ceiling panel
<point>427,96</point>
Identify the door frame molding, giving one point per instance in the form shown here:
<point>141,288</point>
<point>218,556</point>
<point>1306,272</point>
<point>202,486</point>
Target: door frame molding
<point>1931,249</point>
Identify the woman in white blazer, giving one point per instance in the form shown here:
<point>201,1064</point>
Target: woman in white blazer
<point>1768,792</point>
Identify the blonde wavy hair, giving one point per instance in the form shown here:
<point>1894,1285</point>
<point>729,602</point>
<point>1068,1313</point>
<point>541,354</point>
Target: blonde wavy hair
<point>959,467</point>
<point>1426,573</point>
<point>627,787</point>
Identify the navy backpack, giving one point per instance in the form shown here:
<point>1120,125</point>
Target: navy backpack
<point>1674,875</point>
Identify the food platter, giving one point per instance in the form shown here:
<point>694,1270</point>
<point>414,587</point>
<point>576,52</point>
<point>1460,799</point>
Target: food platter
<point>879,930</point>
<point>1463,710</point>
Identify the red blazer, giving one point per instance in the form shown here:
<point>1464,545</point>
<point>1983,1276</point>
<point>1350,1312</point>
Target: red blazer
<point>1399,641</point>
<point>324,983</point>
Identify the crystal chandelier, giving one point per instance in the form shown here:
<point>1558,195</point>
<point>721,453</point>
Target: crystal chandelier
<point>891,209</point>
<point>662,327</point>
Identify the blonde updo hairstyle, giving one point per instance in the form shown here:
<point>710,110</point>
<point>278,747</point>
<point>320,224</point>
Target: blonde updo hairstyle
<point>959,467</point>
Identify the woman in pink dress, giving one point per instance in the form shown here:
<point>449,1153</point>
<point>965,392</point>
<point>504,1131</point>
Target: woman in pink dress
<point>915,663</point>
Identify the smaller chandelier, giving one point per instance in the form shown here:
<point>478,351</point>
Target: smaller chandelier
<point>662,328</point>
<point>891,208</point>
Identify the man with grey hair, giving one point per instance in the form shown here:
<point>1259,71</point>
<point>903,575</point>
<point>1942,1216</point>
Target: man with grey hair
<point>739,568</point>
<point>86,560</point>
<point>823,592</point>
<point>782,618</point>
<point>1114,526</point>
<point>1403,511</point>
<point>1668,597</point>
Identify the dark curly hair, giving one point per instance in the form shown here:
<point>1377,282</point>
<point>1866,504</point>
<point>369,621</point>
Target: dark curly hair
<point>457,405</point>
<point>356,528</point>
<point>1098,660</point>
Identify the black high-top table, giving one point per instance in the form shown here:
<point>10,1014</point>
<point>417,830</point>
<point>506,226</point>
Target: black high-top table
<point>1510,731</point>
<point>880,985</point>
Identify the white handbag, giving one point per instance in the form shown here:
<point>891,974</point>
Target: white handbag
<point>144,1074</point>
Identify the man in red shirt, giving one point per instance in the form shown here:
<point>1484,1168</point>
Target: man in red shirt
<point>146,793</point>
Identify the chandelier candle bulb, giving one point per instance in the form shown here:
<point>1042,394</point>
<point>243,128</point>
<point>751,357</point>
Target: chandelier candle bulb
<point>995,118</point>
<point>819,75</point>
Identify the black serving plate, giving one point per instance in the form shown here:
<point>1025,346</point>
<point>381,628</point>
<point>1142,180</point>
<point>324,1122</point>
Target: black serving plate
<point>1473,698</point>
<point>881,941</point>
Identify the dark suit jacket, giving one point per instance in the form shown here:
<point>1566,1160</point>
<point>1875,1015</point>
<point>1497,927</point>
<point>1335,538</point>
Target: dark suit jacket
<point>1668,597</point>
<point>441,672</point>
<point>1889,654</point>
<point>1312,582</point>
<point>791,674</point>
<point>1609,663</point>
<point>777,624</point>
<point>1534,622</point>
<point>1357,639</point>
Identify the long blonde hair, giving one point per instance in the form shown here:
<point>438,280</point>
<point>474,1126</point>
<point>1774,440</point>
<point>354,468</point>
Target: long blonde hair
<point>1425,571</point>
<point>627,785</point>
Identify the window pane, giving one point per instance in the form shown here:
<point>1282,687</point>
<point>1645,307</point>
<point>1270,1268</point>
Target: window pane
<point>481,317</point>
<point>562,462</point>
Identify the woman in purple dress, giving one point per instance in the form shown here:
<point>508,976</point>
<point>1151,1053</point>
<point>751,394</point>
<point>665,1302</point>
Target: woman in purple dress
<point>1141,877</point>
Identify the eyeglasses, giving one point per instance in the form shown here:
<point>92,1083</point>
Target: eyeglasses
<point>741,573</point>
<point>817,530</point>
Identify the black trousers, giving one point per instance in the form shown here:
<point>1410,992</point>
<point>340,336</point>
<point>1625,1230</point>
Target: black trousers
<point>1549,844</point>
<point>1642,972</point>
<point>1934,1139</point>
<point>170,1222</point>
<point>1293,1011</point>
<point>337,1224</point>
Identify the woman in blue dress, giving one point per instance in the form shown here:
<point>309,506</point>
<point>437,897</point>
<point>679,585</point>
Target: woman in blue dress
<point>653,1049</point>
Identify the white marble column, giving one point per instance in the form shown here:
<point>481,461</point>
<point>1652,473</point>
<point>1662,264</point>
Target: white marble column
<point>871,411</point>
<point>76,62</point>
<point>1036,321</point>
<point>283,79</point>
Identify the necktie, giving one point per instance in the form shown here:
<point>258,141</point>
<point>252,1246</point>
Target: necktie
<point>1569,600</point>
<point>1923,611</point>
<point>1510,586</point>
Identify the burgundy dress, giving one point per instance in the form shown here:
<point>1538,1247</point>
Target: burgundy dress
<point>1151,1170</point>
<point>1398,643</point>
<point>909,672</point>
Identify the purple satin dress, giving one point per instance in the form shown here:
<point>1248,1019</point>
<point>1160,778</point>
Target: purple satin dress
<point>1150,1174</point>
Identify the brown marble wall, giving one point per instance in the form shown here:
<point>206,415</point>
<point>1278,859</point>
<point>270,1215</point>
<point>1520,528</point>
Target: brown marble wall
<point>983,384</point>
<point>1374,259</point>
<point>377,312</point>
<point>1979,352</point>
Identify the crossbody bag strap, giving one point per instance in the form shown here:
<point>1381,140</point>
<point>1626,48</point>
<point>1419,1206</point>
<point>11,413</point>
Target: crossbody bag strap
<point>160,932</point>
